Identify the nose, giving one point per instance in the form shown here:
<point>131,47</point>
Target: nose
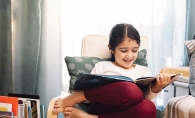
<point>129,55</point>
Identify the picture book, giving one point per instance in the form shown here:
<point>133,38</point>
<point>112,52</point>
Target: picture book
<point>5,107</point>
<point>11,100</point>
<point>85,80</point>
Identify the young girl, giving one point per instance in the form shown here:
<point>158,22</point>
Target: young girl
<point>118,99</point>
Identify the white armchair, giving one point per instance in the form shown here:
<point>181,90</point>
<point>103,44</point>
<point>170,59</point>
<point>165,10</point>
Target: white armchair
<point>94,46</point>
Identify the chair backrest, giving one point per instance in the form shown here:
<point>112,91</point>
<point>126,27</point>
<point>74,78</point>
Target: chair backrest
<point>97,46</point>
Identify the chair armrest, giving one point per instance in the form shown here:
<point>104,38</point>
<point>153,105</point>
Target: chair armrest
<point>50,114</point>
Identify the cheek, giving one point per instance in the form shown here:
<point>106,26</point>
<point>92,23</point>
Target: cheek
<point>135,56</point>
<point>119,55</point>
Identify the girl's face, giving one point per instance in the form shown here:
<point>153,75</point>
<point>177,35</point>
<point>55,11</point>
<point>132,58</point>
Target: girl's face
<point>126,53</point>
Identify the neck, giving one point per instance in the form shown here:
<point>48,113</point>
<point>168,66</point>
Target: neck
<point>131,67</point>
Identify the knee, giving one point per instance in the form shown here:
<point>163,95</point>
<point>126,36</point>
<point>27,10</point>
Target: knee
<point>147,108</point>
<point>130,92</point>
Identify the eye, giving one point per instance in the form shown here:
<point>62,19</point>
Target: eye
<point>134,51</point>
<point>123,50</point>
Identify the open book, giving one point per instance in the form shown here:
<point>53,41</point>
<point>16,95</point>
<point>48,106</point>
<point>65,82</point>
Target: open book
<point>85,80</point>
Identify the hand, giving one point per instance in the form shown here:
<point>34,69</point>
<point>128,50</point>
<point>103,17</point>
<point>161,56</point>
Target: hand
<point>162,80</point>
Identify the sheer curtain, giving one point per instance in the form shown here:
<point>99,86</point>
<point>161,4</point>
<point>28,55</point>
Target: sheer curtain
<point>26,37</point>
<point>37,64</point>
<point>162,21</point>
<point>20,45</point>
<point>6,82</point>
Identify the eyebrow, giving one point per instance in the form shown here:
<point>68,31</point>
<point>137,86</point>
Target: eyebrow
<point>135,47</point>
<point>126,48</point>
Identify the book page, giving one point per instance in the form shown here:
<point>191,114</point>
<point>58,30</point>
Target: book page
<point>146,81</point>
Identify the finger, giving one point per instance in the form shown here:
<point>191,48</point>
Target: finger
<point>166,77</point>
<point>58,101</point>
<point>56,106</point>
<point>161,77</point>
<point>67,116</point>
<point>169,76</point>
<point>157,78</point>
<point>66,113</point>
<point>174,78</point>
<point>57,110</point>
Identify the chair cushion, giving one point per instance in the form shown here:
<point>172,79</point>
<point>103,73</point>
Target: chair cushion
<point>83,64</point>
<point>191,55</point>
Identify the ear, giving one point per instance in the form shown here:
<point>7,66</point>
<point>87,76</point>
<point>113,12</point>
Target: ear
<point>110,48</point>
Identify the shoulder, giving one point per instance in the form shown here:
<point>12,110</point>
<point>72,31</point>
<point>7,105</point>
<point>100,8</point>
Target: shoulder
<point>100,67</point>
<point>101,63</point>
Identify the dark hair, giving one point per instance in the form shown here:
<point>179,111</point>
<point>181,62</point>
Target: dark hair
<point>119,32</point>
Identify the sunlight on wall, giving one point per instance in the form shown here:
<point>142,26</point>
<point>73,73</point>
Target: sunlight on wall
<point>79,18</point>
<point>145,11</point>
<point>169,62</point>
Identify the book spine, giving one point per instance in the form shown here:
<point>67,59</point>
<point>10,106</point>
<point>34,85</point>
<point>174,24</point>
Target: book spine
<point>6,114</point>
<point>42,110</point>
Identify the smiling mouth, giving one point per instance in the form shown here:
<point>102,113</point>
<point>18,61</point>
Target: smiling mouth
<point>128,61</point>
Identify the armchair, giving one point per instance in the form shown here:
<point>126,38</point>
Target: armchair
<point>94,46</point>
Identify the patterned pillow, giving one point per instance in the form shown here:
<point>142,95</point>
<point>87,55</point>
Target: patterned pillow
<point>76,65</point>
<point>141,58</point>
<point>191,55</point>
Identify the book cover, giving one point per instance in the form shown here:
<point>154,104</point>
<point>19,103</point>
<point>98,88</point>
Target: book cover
<point>34,108</point>
<point>5,107</point>
<point>11,100</point>
<point>85,80</point>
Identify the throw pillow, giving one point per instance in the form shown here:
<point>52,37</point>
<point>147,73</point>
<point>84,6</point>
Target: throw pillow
<point>76,65</point>
<point>141,58</point>
<point>191,55</point>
